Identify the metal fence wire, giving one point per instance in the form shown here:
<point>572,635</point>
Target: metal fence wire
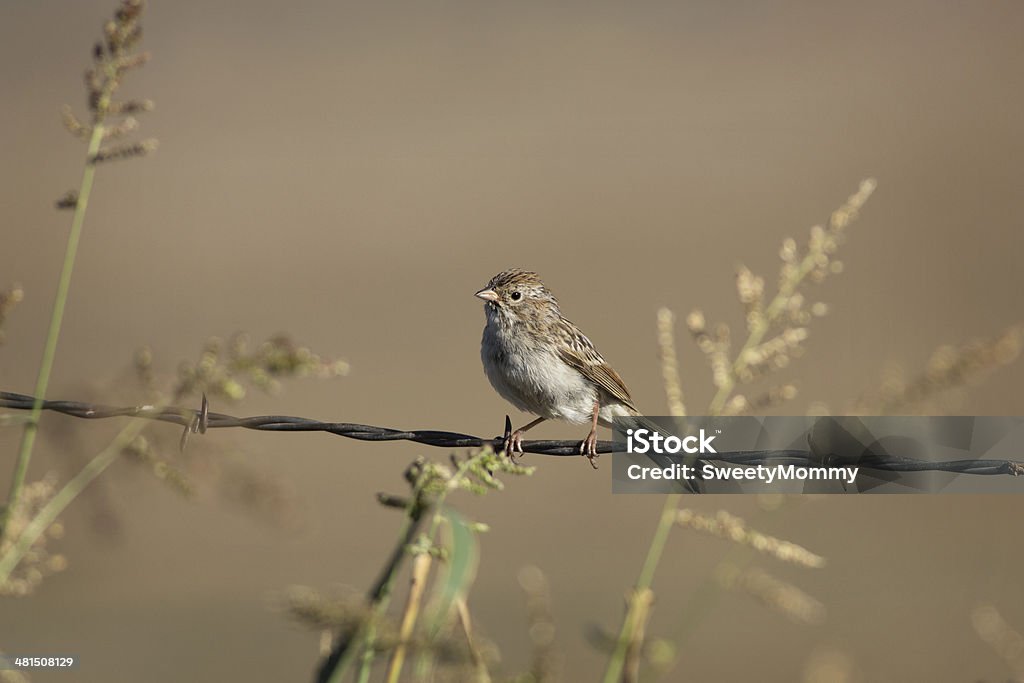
<point>196,421</point>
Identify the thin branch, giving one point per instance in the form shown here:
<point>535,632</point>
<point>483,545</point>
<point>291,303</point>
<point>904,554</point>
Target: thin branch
<point>640,599</point>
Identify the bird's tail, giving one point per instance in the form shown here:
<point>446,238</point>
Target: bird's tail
<point>663,459</point>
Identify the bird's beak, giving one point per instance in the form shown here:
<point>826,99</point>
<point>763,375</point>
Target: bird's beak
<point>487,295</point>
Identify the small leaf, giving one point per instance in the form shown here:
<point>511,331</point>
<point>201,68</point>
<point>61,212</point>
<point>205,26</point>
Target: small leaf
<point>460,568</point>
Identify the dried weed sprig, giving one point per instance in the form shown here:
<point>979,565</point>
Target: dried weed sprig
<point>226,370</point>
<point>223,367</point>
<point>670,362</point>
<point>774,593</point>
<point>276,359</point>
<point>474,473</point>
<point>9,299</point>
<point>430,483</point>
<point>776,329</point>
<point>112,59</point>
<point>732,528</point>
<point>38,561</point>
<point>949,368</point>
<point>797,605</point>
<point>314,610</point>
<point>347,613</point>
<point>142,450</point>
<point>16,547</point>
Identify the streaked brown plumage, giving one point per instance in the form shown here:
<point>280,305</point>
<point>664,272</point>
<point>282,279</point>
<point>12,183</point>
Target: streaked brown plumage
<point>542,363</point>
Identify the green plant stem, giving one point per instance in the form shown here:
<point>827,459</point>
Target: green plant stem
<point>46,516</point>
<point>344,652</point>
<point>420,571</point>
<point>57,316</point>
<point>642,600</point>
<point>643,584</point>
<point>360,643</point>
<point>425,659</point>
<point>366,662</point>
<point>379,597</point>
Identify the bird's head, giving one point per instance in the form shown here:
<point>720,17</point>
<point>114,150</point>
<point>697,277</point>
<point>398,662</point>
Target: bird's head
<point>518,294</point>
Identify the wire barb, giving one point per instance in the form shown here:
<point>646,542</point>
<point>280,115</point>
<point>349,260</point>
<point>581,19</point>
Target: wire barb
<point>198,424</point>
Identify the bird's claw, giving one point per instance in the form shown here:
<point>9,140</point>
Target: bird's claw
<point>588,448</point>
<point>514,444</point>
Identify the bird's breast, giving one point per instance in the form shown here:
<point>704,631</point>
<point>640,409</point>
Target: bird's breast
<point>530,375</point>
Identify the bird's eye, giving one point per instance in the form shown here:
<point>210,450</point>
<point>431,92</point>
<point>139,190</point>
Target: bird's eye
<point>516,296</point>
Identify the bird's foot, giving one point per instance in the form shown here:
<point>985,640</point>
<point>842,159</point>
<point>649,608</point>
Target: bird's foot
<point>514,444</point>
<point>588,448</point>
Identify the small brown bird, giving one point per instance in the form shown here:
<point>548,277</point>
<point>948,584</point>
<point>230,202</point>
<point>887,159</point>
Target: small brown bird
<point>543,364</point>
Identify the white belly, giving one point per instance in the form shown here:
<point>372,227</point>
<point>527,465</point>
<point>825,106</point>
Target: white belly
<point>537,381</point>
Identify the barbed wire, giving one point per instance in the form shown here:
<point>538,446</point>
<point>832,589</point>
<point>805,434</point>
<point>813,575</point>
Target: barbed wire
<point>197,421</point>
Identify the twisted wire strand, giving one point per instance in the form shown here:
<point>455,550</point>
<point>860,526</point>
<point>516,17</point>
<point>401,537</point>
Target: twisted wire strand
<point>198,421</point>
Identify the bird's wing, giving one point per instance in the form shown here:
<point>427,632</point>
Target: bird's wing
<point>579,353</point>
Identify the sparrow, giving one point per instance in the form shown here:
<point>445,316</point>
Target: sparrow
<point>540,362</point>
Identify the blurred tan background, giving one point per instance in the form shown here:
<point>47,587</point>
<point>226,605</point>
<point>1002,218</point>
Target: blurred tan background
<point>351,173</point>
